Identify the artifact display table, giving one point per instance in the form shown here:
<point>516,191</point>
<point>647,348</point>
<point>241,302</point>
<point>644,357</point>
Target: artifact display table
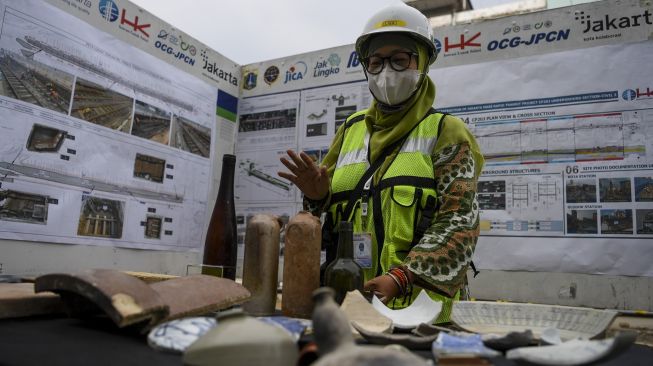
<point>67,341</point>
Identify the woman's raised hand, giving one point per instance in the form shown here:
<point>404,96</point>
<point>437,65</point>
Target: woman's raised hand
<point>311,179</point>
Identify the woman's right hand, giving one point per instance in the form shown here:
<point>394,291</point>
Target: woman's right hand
<point>311,179</point>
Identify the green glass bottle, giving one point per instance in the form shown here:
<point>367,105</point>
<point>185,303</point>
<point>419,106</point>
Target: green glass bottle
<point>344,274</point>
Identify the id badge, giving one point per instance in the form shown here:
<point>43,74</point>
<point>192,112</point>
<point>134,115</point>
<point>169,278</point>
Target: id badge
<point>363,249</point>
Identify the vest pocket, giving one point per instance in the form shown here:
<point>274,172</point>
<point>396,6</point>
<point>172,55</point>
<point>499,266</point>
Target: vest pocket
<point>401,215</point>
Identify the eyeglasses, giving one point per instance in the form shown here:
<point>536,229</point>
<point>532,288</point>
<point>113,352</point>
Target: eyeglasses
<point>399,61</point>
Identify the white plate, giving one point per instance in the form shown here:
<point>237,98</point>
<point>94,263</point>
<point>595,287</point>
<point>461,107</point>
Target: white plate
<point>422,310</point>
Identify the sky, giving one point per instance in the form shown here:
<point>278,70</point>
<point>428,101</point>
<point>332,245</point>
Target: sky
<point>249,31</point>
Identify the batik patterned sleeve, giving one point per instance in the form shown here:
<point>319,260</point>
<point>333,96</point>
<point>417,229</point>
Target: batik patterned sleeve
<point>442,256</point>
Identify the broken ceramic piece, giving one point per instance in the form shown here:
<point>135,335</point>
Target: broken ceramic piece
<point>198,295</point>
<point>502,318</point>
<point>336,345</point>
<point>447,345</point>
<point>359,310</point>
<point>127,300</point>
<point>407,340</point>
<point>510,341</point>
<point>295,327</point>
<point>239,339</point>
<point>177,335</point>
<point>124,298</point>
<point>574,352</point>
<point>422,310</point>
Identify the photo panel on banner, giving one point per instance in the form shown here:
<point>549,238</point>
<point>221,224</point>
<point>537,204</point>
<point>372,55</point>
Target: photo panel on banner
<point>102,142</point>
<point>268,122</point>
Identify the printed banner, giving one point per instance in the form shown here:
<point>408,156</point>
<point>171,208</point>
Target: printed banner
<point>105,140</point>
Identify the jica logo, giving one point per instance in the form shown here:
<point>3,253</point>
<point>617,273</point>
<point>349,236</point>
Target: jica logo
<point>109,10</point>
<point>296,72</point>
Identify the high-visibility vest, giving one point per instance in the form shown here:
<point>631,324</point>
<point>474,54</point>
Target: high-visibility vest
<point>401,205</point>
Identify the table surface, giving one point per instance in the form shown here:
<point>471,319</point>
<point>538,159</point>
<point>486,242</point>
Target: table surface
<point>67,341</point>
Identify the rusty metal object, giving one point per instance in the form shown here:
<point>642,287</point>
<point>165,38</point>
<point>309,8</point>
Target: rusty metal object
<point>124,298</point>
<point>199,294</point>
<point>261,263</point>
<point>301,268</point>
<point>19,300</point>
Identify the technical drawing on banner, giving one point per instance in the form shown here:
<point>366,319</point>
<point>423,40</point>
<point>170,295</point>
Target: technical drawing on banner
<point>267,122</point>
<point>257,180</point>
<point>325,109</point>
<point>529,205</point>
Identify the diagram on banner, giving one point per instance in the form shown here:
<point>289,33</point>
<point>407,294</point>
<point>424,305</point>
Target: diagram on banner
<point>573,138</point>
<point>521,205</point>
<point>257,180</point>
<point>325,109</point>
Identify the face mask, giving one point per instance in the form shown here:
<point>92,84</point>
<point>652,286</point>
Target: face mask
<point>393,87</point>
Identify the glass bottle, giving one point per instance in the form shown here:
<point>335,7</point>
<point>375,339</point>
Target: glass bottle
<point>344,274</point>
<point>221,246</point>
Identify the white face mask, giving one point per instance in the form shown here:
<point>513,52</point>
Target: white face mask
<point>393,87</point>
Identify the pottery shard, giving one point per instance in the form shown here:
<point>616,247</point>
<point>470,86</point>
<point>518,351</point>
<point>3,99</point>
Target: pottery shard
<point>125,299</point>
<point>199,294</point>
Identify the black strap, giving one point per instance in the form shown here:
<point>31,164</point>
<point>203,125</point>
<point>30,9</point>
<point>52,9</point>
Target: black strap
<point>357,191</point>
<point>428,213</point>
<point>471,263</point>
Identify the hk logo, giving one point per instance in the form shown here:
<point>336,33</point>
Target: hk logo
<point>469,43</point>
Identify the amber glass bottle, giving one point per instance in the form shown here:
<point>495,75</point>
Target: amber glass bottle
<point>344,274</point>
<point>221,247</point>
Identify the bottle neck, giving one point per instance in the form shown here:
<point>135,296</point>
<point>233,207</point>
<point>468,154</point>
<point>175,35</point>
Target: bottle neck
<point>226,189</point>
<point>345,244</point>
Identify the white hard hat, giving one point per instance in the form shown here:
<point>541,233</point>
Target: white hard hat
<point>399,18</point>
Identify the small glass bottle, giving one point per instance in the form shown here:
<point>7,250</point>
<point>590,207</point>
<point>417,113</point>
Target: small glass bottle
<point>221,246</point>
<point>344,274</point>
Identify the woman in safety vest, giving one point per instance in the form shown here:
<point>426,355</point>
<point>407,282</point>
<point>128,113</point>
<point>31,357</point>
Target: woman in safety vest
<point>402,173</point>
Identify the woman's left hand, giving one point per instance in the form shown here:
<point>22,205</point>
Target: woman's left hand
<point>384,287</point>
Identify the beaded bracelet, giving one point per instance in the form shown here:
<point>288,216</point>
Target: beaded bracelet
<point>401,278</point>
